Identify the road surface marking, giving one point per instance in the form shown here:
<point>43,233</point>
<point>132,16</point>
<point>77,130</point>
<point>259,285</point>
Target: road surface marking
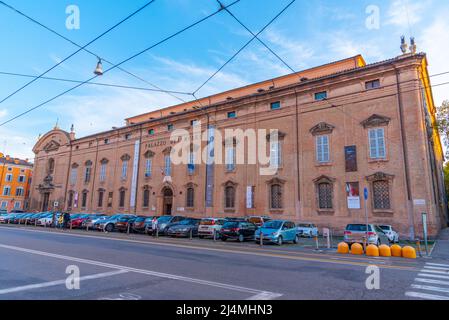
<point>430,288</point>
<point>437,268</point>
<point>142,271</point>
<point>265,296</point>
<point>60,282</point>
<point>434,271</point>
<point>432,281</point>
<point>425,296</point>
<point>428,275</point>
<point>282,255</point>
<point>437,264</point>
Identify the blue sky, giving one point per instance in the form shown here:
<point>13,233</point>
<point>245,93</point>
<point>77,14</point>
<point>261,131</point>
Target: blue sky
<point>310,33</point>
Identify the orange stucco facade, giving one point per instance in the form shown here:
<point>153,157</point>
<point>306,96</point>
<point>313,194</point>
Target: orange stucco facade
<point>343,126</point>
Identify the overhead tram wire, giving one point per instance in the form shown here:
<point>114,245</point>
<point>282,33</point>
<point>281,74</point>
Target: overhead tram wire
<point>117,65</point>
<point>94,83</point>
<point>169,92</point>
<point>80,49</point>
<point>244,46</point>
<point>258,39</point>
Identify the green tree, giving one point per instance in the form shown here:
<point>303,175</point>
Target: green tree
<point>446,176</point>
<point>442,123</point>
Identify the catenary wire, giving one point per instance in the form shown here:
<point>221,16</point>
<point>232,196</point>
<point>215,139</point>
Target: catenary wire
<point>77,51</point>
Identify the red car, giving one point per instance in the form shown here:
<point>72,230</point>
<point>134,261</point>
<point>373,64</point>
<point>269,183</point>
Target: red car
<point>78,220</point>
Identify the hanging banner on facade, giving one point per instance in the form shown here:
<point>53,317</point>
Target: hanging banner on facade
<point>132,203</point>
<point>75,200</point>
<point>210,169</point>
<point>249,197</point>
<point>353,195</point>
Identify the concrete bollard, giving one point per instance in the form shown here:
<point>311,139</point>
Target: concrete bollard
<point>409,252</point>
<point>26,222</point>
<point>157,232</point>
<point>317,243</point>
<point>128,229</point>
<point>384,250</point>
<point>191,234</point>
<point>215,235</point>
<point>343,248</point>
<point>261,239</point>
<point>396,250</point>
<point>372,251</point>
<point>356,249</point>
<point>418,245</point>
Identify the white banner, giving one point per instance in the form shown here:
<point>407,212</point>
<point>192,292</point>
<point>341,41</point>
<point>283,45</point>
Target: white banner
<point>132,203</point>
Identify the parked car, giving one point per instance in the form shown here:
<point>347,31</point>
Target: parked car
<point>140,224</point>
<point>165,222</point>
<point>3,212</point>
<point>239,230</point>
<point>123,223</point>
<point>258,220</point>
<point>46,220</point>
<point>392,235</point>
<point>109,224</point>
<point>209,226</point>
<point>77,220</point>
<point>356,233</point>
<point>184,228</point>
<point>149,225</point>
<point>307,230</point>
<point>277,231</point>
<point>90,222</point>
<point>5,218</point>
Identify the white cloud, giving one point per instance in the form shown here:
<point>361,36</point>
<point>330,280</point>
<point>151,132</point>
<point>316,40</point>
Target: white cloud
<point>341,46</point>
<point>401,13</point>
<point>3,113</point>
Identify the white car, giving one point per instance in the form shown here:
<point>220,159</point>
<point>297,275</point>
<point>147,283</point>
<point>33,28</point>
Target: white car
<point>45,221</point>
<point>208,226</point>
<point>307,230</point>
<point>392,235</point>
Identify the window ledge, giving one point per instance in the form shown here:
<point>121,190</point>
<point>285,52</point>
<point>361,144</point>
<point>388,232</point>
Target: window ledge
<point>324,164</point>
<point>326,212</point>
<point>383,213</point>
<point>370,160</point>
<point>229,210</point>
<point>276,211</point>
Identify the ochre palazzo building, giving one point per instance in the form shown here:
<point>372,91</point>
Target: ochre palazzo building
<point>343,127</point>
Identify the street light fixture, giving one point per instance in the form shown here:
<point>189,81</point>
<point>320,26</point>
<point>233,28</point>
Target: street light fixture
<point>99,69</point>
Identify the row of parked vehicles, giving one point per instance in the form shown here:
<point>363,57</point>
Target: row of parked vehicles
<point>255,228</point>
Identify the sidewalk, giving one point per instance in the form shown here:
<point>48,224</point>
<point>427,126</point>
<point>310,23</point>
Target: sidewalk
<point>441,250</point>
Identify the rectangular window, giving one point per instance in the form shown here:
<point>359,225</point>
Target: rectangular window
<point>322,149</point>
<point>17,205</point>
<point>194,123</point>
<point>151,132</point>
<point>19,192</point>
<point>87,174</point>
<point>377,143</point>
<point>372,84</point>
<point>232,115</point>
<point>325,196</point>
<point>275,105</point>
<point>8,177</point>
<point>351,158</point>
<point>7,191</point>
<point>230,159</point>
<point>110,196</point>
<point>4,205</point>
<point>320,96</point>
<point>275,154</point>
<point>128,136</point>
<point>100,198</point>
<point>106,141</point>
<point>122,199</point>
<point>84,200</point>
<point>170,127</point>
<point>73,176</point>
<point>381,195</point>
<point>148,168</point>
<point>103,172</point>
<point>124,169</point>
<point>167,163</point>
<point>21,179</point>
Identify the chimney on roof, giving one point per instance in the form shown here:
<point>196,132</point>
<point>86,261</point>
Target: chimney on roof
<point>412,45</point>
<point>72,132</point>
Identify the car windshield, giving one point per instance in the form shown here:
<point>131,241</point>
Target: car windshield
<point>140,219</point>
<point>385,228</point>
<point>358,227</point>
<point>272,225</point>
<point>231,224</point>
<point>304,225</point>
<point>188,222</point>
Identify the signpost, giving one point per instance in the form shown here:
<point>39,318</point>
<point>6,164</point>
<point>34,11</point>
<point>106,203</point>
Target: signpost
<point>424,225</point>
<point>366,195</point>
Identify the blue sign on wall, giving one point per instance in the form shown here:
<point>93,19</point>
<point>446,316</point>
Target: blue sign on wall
<point>365,193</point>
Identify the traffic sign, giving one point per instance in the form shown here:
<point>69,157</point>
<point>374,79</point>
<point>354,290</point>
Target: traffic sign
<point>365,193</point>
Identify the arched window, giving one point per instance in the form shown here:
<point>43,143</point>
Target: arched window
<point>84,199</point>
<point>146,198</point>
<point>70,200</point>
<point>100,198</point>
<point>88,171</point>
<point>276,196</point>
<point>325,193</point>
<point>190,197</point>
<point>230,197</point>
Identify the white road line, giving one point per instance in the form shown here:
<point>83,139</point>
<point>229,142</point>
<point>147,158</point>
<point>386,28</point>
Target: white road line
<point>60,282</point>
<point>425,296</point>
<point>433,281</point>
<point>430,288</point>
<point>437,268</point>
<point>437,264</point>
<point>141,271</point>
<point>265,296</point>
<point>434,271</point>
<point>428,275</point>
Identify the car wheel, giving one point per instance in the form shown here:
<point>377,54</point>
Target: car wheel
<point>241,238</point>
<point>224,239</point>
<point>109,227</point>
<point>296,240</point>
<point>201,237</point>
<point>280,241</point>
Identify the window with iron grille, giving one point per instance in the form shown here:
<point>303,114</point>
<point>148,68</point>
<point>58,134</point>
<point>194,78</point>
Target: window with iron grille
<point>229,197</point>
<point>100,198</point>
<point>190,203</point>
<point>146,198</point>
<point>325,195</point>
<point>122,198</point>
<point>276,196</point>
<point>381,195</point>
<point>84,200</point>
<point>87,174</point>
<point>70,200</point>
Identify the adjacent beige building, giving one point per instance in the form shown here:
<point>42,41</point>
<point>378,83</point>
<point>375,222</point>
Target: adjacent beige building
<point>343,127</point>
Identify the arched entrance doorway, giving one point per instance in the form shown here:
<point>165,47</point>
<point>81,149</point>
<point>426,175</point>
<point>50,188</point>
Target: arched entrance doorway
<point>167,205</point>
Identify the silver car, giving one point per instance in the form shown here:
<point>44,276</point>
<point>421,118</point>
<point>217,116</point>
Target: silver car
<point>357,233</point>
<point>390,232</point>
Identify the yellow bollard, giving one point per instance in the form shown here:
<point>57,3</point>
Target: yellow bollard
<point>372,250</point>
<point>384,250</point>
<point>356,249</point>
<point>409,252</point>
<point>396,250</point>
<point>343,248</point>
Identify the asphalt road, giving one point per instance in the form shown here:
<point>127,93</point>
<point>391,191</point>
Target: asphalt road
<point>33,265</point>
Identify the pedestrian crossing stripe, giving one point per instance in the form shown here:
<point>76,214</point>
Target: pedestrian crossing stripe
<point>429,281</point>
